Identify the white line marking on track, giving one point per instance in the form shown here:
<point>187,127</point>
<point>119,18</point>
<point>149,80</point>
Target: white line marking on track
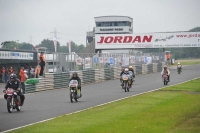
<point>97,105</point>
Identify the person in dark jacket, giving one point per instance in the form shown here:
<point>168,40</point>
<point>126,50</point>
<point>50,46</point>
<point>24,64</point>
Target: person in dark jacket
<point>42,63</point>
<point>14,83</point>
<point>76,77</point>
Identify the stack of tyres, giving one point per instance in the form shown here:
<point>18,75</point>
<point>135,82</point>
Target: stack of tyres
<point>41,85</point>
<point>91,75</point>
<point>86,76</point>
<point>57,80</point>
<point>149,68</point>
<point>29,88</point>
<point>138,69</point>
<point>49,80</point>
<point>107,73</point>
<point>65,79</point>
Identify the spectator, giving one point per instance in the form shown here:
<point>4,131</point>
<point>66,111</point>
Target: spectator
<point>42,63</point>
<point>3,71</point>
<point>11,70</point>
<point>6,75</point>
<point>22,79</point>
<point>32,71</point>
<point>37,71</point>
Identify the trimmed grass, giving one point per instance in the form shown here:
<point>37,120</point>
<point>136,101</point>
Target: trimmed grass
<point>188,61</point>
<point>173,109</point>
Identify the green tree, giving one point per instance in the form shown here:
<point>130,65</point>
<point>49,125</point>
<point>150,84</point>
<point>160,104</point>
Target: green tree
<point>11,45</point>
<point>196,29</point>
<point>26,46</point>
<point>49,44</point>
<point>63,49</point>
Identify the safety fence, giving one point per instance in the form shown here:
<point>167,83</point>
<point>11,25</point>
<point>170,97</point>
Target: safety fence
<point>63,62</point>
<point>61,80</point>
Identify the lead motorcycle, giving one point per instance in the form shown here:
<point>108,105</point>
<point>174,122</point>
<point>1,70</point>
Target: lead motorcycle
<point>126,79</point>
<point>13,100</point>
<point>74,91</point>
<point>165,79</point>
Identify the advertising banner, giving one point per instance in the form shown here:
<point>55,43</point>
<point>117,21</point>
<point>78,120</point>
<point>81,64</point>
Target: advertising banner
<point>79,61</point>
<point>87,63</point>
<point>125,61</point>
<point>16,55</point>
<point>148,40</point>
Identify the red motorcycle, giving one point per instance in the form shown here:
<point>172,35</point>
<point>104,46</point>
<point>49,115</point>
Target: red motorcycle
<point>13,100</point>
<point>165,78</point>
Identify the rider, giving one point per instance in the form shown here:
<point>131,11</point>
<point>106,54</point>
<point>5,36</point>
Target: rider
<point>121,76</point>
<point>76,77</point>
<point>166,70</point>
<point>131,69</point>
<point>14,83</point>
<point>126,72</point>
<point>179,66</point>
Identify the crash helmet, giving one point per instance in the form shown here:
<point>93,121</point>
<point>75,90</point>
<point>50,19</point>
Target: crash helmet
<point>74,74</point>
<point>126,70</point>
<point>165,67</point>
<point>13,77</point>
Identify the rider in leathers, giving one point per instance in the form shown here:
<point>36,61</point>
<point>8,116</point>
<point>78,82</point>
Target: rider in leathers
<point>166,70</point>
<point>76,77</point>
<point>122,72</point>
<point>131,69</point>
<point>14,83</point>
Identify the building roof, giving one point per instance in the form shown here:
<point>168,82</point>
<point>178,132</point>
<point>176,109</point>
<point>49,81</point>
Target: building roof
<point>113,16</point>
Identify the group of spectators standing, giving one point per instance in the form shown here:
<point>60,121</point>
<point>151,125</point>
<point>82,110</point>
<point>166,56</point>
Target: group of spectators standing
<point>5,73</point>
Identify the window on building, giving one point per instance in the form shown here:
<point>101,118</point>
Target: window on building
<point>98,24</point>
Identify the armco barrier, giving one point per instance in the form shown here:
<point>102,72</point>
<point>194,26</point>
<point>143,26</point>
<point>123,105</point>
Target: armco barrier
<point>61,80</point>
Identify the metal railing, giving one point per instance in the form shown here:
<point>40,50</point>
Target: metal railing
<point>63,62</point>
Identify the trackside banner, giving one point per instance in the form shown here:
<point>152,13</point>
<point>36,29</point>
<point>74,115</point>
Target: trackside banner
<point>154,40</point>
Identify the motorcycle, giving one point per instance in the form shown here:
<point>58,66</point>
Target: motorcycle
<point>13,100</point>
<point>179,70</point>
<point>74,91</point>
<point>165,79</point>
<point>131,74</point>
<point>126,82</point>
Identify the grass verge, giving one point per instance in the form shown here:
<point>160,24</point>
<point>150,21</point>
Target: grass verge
<point>188,61</point>
<point>173,109</point>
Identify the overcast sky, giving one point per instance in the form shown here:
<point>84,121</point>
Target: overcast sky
<point>20,19</point>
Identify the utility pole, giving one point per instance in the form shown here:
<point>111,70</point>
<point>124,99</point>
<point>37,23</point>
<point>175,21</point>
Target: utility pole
<point>30,39</point>
<point>55,33</point>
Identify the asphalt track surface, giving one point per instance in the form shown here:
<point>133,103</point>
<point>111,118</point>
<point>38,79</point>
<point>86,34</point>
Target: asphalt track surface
<point>47,104</point>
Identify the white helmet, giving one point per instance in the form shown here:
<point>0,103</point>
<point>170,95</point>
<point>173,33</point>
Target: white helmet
<point>126,70</point>
<point>178,63</point>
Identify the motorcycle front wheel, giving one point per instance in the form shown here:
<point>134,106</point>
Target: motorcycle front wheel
<point>71,97</point>
<point>125,86</point>
<point>9,105</point>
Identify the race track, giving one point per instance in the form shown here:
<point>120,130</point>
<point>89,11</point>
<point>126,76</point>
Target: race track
<point>47,104</point>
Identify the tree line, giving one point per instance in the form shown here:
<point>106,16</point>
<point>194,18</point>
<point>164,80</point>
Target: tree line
<point>49,44</point>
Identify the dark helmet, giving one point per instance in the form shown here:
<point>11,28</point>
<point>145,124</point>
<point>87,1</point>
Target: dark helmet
<point>74,73</point>
<point>13,76</point>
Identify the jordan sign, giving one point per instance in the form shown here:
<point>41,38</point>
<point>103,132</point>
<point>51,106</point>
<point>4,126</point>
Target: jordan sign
<point>154,40</point>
